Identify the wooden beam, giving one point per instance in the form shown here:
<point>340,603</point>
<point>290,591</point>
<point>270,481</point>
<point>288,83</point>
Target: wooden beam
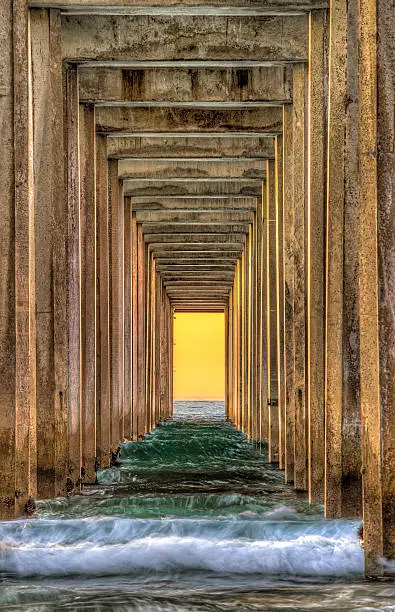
<point>118,37</point>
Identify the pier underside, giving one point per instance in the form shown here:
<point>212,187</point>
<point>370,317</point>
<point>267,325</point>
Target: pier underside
<point>199,157</point>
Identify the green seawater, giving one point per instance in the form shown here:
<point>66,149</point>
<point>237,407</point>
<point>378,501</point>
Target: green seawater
<point>193,518</point>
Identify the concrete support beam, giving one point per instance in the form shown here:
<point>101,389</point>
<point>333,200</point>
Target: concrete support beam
<point>188,218</point>
<point>185,188</point>
<point>190,146</point>
<point>208,229</point>
<point>50,254</point>
<point>190,7</point>
<point>185,85</point>
<point>180,120</point>
<point>168,38</point>
<point>191,168</point>
<point>197,239</point>
<point>191,203</point>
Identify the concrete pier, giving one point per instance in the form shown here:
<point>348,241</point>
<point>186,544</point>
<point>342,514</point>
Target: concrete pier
<point>243,166</point>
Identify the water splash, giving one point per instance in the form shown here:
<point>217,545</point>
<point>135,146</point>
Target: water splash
<point>196,518</point>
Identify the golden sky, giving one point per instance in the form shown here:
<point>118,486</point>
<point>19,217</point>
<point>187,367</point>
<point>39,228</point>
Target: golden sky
<point>199,356</point>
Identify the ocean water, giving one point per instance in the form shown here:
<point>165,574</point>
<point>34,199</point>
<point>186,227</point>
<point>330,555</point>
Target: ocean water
<point>193,519</point>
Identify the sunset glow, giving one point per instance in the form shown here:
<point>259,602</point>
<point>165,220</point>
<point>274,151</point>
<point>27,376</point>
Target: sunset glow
<point>199,356</point>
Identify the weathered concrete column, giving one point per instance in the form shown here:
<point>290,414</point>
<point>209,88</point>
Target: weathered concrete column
<point>134,328</point>
<point>289,291</point>
<point>236,348</point>
<point>376,201</point>
<point>171,357</point>
<point>74,413</point>
<point>17,306</point>
<point>386,267</point>
<point>299,197</point>
<point>316,194</point>
<point>264,416</point>
<point>87,142</point>
<point>271,313</point>
<point>116,213</point>
<point>103,375</point>
<point>251,331</point>
<point>342,401</point>
<point>140,334</point>
<point>148,337</point>
<point>242,338</point>
<point>127,329</point>
<point>158,353</point>
<point>278,152</point>
<point>50,253</point>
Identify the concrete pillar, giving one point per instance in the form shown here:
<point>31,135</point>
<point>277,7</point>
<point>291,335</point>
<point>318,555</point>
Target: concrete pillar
<point>289,291</point>
<point>236,348</point>
<point>103,375</point>
<point>17,320</point>
<point>127,330</point>
<point>249,347</point>
<point>317,130</point>
<point>158,354</point>
<point>278,152</point>
<point>264,417</point>
<point>299,196</point>
<point>50,253</point>
<point>140,334</point>
<point>271,313</point>
<point>147,322</point>
<point>386,267</point>
<point>116,213</point>
<point>134,328</point>
<point>171,360</point>
<point>87,153</point>
<point>342,410</point>
<point>370,351</point>
<point>74,408</point>
<point>242,337</point>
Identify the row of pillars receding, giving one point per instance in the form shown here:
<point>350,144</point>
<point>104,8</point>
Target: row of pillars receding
<point>86,320</point>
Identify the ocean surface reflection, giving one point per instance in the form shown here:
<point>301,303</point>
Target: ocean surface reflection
<point>194,518</point>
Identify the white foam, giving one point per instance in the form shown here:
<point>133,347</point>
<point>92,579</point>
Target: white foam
<point>122,546</point>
